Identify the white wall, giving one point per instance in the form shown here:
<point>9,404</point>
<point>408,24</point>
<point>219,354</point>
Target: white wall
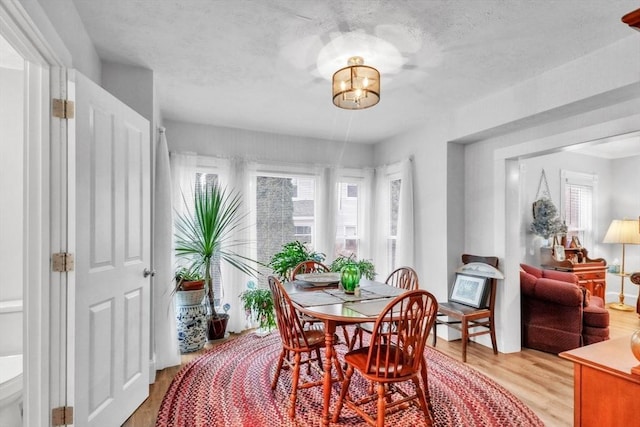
<point>261,146</point>
<point>68,26</point>
<point>12,211</point>
<point>131,85</point>
<point>625,203</point>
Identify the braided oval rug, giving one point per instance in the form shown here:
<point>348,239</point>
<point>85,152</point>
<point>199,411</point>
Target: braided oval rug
<point>230,386</point>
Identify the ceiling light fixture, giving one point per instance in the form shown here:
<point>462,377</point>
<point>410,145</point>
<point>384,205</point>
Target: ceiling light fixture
<point>356,86</point>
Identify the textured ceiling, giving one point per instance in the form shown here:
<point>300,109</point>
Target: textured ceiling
<point>253,64</point>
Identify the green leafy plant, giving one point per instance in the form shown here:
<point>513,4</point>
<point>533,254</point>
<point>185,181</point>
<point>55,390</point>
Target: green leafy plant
<point>207,230</point>
<point>366,267</point>
<point>292,254</point>
<point>258,302</point>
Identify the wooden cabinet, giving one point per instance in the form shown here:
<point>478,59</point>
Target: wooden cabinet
<point>592,273</point>
<point>605,389</point>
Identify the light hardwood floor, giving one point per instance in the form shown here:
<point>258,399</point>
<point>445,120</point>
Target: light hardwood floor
<point>542,381</point>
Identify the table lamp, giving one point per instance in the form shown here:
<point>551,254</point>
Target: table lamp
<point>625,232</point>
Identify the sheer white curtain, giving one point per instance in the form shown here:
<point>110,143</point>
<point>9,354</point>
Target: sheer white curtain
<point>406,234</point>
<point>380,222</point>
<point>365,248</point>
<point>234,281</point>
<point>165,342</point>
<point>327,211</point>
<point>183,175</point>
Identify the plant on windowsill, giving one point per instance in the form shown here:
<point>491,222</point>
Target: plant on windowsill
<point>292,254</point>
<point>258,306</point>
<point>205,231</point>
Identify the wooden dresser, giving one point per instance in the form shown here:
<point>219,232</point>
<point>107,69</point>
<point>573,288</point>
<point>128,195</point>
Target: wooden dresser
<point>605,391</point>
<point>592,273</point>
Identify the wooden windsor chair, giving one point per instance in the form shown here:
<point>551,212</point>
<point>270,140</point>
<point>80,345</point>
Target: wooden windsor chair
<point>303,344</point>
<point>403,278</point>
<point>394,355</point>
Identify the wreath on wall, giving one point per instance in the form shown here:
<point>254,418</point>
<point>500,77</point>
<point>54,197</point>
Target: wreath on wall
<point>546,221</point>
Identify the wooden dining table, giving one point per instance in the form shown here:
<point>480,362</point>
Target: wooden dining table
<point>334,307</point>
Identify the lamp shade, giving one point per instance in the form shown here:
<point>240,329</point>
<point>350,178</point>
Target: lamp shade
<point>623,231</point>
<point>357,86</point>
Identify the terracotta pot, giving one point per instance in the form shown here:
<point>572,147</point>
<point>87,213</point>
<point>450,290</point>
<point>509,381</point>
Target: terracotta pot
<point>217,326</point>
<point>192,285</point>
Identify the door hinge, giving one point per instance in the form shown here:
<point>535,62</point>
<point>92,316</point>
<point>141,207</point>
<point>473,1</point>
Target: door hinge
<point>63,109</point>
<point>62,416</point>
<point>62,262</point>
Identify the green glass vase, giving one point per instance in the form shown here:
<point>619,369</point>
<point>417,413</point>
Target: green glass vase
<point>350,278</point>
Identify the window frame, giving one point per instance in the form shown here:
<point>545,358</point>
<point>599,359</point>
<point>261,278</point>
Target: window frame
<point>275,170</point>
<point>354,177</point>
<point>584,179</point>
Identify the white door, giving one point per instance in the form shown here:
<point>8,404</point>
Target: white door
<point>111,339</point>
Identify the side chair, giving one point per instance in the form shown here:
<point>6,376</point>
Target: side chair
<point>309,266</point>
<point>395,355</point>
<point>313,266</point>
<point>403,278</point>
<point>465,318</point>
<point>296,342</point>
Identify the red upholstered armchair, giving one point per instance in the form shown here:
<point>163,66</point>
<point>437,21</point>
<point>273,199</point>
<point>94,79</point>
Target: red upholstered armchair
<point>557,314</point>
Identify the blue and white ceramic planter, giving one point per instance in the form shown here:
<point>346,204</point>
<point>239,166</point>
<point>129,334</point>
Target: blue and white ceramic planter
<point>192,327</point>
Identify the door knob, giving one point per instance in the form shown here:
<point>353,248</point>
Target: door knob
<point>147,272</point>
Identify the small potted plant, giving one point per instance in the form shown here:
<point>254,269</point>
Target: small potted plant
<point>258,306</point>
<point>189,286</point>
<point>365,266</point>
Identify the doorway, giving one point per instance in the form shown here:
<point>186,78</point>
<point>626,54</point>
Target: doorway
<point>12,229</point>
<point>29,142</point>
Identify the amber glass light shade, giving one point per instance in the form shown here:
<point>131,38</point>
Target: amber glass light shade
<point>356,86</point>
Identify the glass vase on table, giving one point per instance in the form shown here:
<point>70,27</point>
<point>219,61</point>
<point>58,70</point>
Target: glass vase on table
<point>350,278</point>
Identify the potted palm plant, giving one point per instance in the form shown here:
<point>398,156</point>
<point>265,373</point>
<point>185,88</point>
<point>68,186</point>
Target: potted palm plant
<point>207,231</point>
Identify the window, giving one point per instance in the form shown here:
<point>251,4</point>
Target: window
<point>285,211</point>
<point>578,205</point>
<point>349,210</point>
<point>303,233</point>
